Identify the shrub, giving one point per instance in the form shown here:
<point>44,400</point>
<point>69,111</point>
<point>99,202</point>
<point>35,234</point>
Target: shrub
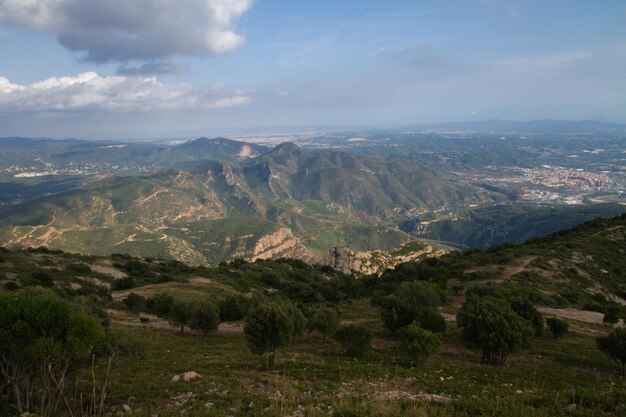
<point>557,327</point>
<point>355,340</point>
<point>42,336</point>
<point>419,343</point>
<point>527,310</point>
<point>11,286</point>
<point>491,325</point>
<point>134,303</point>
<point>121,284</point>
<point>397,313</point>
<point>78,268</point>
<point>233,307</point>
<point>612,315</point>
<point>430,319</point>
<point>268,327</point>
<point>205,317</point>
<point>297,321</point>
<point>614,346</point>
<point>42,278</point>
<point>325,320</point>
<point>160,304</point>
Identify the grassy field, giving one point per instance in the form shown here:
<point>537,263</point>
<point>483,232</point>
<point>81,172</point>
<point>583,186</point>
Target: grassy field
<point>565,377</point>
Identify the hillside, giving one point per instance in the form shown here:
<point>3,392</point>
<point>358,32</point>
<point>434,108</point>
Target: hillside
<point>484,227</point>
<point>582,267</point>
<point>562,272</point>
<point>288,202</point>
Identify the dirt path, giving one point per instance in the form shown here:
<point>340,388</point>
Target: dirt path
<point>107,270</point>
<point>508,273</point>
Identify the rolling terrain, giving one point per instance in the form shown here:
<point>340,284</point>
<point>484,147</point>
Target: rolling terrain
<point>575,275</point>
<point>287,202</point>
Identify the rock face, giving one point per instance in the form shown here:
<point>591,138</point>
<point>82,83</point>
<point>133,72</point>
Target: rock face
<point>341,259</point>
<point>376,262</point>
<point>280,243</point>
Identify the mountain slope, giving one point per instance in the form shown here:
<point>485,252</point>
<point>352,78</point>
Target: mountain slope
<point>286,202</point>
<point>487,226</point>
<point>582,267</point>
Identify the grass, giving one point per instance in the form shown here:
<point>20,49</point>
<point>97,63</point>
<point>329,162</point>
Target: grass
<point>183,290</point>
<point>312,378</point>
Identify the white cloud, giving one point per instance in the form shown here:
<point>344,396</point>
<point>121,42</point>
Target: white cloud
<point>90,91</point>
<point>123,30</point>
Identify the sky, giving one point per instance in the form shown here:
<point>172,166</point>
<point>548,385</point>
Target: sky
<point>151,68</point>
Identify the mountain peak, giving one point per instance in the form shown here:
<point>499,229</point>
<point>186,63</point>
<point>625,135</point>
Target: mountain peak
<point>286,148</point>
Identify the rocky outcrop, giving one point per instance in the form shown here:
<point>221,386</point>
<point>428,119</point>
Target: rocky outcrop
<point>280,243</point>
<point>376,262</point>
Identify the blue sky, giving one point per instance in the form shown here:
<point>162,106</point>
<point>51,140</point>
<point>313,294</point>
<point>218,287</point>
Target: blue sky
<point>69,68</point>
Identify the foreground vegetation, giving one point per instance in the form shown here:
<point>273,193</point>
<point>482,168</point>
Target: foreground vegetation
<point>295,339</point>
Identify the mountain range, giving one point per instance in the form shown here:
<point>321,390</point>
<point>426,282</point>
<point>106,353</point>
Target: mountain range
<point>288,201</point>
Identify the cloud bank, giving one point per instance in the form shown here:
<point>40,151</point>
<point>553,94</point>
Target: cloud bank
<point>125,30</point>
<point>90,91</point>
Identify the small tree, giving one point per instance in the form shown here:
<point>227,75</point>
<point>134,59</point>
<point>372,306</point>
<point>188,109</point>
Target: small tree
<point>419,343</point>
<point>355,340</point>
<point>396,313</point>
<point>325,320</point>
<point>297,321</point>
<point>489,324</point>
<point>267,327</point>
<point>413,301</point>
<point>134,303</point>
<point>557,327</point>
<point>614,346</point>
<point>233,307</point>
<point>205,317</point>
<point>180,314</point>
<point>160,304</point>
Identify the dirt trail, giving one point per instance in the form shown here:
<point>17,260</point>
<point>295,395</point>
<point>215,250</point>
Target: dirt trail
<point>508,273</point>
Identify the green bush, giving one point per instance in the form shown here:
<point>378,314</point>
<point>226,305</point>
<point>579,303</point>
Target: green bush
<point>557,327</point>
<point>11,286</point>
<point>135,303</point>
<point>42,337</point>
<point>160,304</point>
<point>355,340</point>
<point>419,343</point>
<point>491,325</point>
<point>205,317</point>
<point>268,327</point>
<point>42,278</point>
<point>325,320</point>
<point>612,314</point>
<point>527,310</point>
<point>180,314</point>
<point>233,308</point>
<point>614,346</point>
